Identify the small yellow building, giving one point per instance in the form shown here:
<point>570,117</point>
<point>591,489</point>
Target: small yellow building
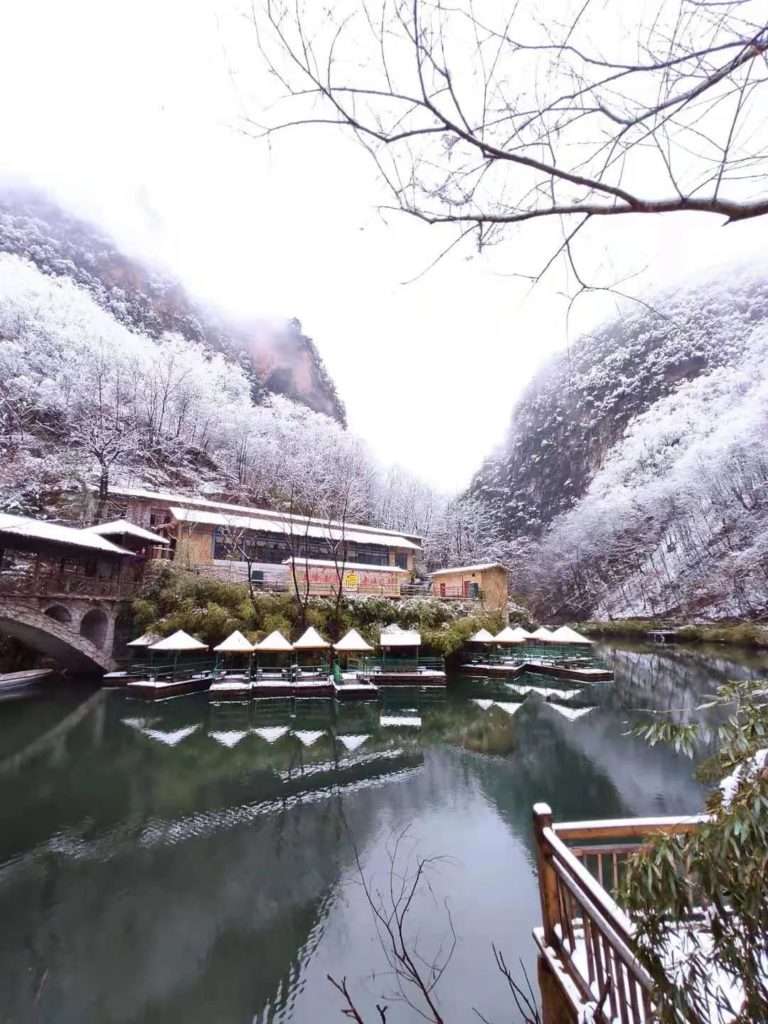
<point>487,584</point>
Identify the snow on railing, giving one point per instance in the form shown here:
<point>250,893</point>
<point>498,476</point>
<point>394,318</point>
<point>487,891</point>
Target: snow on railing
<point>586,938</point>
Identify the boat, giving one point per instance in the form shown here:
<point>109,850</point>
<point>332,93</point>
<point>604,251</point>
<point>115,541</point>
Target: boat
<point>14,683</point>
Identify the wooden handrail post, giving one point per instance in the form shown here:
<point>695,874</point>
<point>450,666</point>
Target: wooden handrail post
<point>542,818</point>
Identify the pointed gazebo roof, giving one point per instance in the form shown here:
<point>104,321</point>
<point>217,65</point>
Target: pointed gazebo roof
<point>179,641</point>
<point>566,635</point>
<point>522,634</point>
<point>145,640</point>
<point>395,636</point>
<point>310,641</point>
<point>275,642</point>
<point>542,633</point>
<point>236,643</point>
<point>352,642</point>
<point>508,636</point>
<point>482,636</point>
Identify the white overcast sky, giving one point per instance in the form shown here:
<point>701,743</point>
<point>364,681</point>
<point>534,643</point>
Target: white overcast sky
<point>126,110</point>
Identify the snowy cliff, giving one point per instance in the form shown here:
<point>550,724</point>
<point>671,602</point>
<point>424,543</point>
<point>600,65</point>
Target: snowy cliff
<point>277,357</point>
<point>634,479</point>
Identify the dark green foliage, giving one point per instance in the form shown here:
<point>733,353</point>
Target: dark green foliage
<point>743,634</point>
<point>210,609</point>
<point>711,881</point>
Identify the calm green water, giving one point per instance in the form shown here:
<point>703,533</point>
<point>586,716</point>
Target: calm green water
<point>196,863</point>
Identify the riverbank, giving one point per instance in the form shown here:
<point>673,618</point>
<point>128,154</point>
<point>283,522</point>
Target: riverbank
<point>736,634</point>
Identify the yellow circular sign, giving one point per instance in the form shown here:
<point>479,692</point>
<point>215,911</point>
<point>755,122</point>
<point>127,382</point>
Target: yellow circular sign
<point>351,580</point>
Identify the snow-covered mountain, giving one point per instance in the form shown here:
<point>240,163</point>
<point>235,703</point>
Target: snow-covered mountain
<point>634,479</point>
<point>277,357</point>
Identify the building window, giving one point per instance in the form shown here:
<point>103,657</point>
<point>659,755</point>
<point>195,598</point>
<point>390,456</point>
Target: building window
<point>401,559</point>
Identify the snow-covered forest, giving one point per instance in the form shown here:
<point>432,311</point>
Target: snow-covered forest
<point>86,402</point>
<point>634,480</point>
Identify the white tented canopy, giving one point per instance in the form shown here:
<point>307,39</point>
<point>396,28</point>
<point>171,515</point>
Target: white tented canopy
<point>394,636</point>
<point>179,641</point>
<point>542,633</point>
<point>482,636</point>
<point>236,643</point>
<point>275,643</point>
<point>352,643</point>
<point>508,636</point>
<point>566,635</point>
<point>311,641</point>
<point>521,633</point>
<point>145,640</point>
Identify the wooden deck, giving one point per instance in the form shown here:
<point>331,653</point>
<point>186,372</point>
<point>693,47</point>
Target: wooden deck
<point>587,964</point>
<point>161,689</point>
<point>583,674</point>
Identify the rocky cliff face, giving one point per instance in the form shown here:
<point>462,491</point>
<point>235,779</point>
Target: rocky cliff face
<point>278,358</point>
<point>633,471</point>
<point>579,406</point>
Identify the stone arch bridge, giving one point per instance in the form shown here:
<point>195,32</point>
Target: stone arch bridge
<point>78,631</point>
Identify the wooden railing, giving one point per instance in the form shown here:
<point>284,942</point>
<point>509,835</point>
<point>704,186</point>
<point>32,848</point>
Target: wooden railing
<point>586,938</point>
<point>65,585</point>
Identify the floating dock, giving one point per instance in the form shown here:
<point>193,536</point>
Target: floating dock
<point>231,687</point>
<point>424,677</point>
<point>160,689</point>
<point>584,674</point>
<point>356,689</point>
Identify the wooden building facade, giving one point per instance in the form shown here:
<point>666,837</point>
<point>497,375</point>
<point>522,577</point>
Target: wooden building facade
<point>485,584</point>
<point>229,541</point>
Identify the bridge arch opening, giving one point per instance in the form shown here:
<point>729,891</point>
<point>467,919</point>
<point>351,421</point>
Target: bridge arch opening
<point>93,626</point>
<point>59,613</point>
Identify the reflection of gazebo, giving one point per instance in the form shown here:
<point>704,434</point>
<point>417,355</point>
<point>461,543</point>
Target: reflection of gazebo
<point>402,645</point>
<point>180,643</point>
<point>275,643</point>
<point>236,646</point>
<point>312,646</point>
<point>353,643</point>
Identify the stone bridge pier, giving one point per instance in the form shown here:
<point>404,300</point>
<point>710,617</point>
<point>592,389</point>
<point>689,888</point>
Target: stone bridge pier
<point>78,632</point>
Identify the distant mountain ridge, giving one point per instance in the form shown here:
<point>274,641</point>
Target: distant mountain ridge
<point>278,358</point>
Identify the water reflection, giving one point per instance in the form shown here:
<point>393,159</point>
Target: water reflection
<point>191,861</point>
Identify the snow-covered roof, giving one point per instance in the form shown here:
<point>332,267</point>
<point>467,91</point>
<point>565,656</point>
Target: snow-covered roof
<point>236,643</point>
<point>542,633</point>
<point>206,503</point>
<point>310,641</point>
<point>523,634</point>
<point>352,642</point>
<point>179,641</point>
<point>394,636</point>
<point>482,636</point>
<point>469,568</point>
<point>344,566</point>
<point>54,533</point>
<point>145,640</point>
<point>121,527</point>
<point>373,534</point>
<point>508,636</point>
<point>275,643</point>
<point>566,635</point>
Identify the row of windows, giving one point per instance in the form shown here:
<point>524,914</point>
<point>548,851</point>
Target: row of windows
<point>271,547</point>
